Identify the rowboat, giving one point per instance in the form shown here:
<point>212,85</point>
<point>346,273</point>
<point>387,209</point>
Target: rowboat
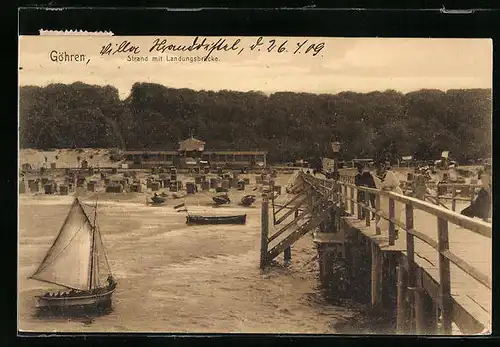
<point>76,261</point>
<point>248,200</point>
<point>238,219</point>
<point>221,199</point>
<point>157,200</point>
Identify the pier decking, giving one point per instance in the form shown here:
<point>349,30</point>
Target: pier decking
<point>440,254</point>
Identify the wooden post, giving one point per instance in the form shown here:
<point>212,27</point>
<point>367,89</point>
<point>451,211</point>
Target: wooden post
<point>402,311</point>
<point>351,193</point>
<point>444,276</point>
<point>410,255</point>
<point>321,261</point>
<point>264,230</point>
<point>359,209</point>
<point>366,211</point>
<point>418,294</point>
<point>433,318</point>
<point>272,201</point>
<point>437,194</point>
<point>341,195</point>
<point>453,199</point>
<point>344,196</point>
<point>392,232</point>
<point>287,254</point>
<point>377,217</point>
<point>376,277</point>
<point>313,200</point>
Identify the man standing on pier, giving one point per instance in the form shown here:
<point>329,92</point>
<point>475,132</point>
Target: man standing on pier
<point>365,179</point>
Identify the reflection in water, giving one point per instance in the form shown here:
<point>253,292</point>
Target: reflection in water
<point>78,315</point>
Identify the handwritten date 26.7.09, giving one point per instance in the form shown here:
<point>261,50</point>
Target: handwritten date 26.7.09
<point>300,47</point>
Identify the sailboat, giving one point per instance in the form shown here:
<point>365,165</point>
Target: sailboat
<point>77,261</point>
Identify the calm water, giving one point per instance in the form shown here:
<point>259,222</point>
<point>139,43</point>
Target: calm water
<point>177,278</point>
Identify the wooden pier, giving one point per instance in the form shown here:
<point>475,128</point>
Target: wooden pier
<point>441,260</point>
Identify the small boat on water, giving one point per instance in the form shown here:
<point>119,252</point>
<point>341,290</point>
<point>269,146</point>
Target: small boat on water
<point>247,200</point>
<point>77,261</point>
<point>221,199</point>
<point>238,219</point>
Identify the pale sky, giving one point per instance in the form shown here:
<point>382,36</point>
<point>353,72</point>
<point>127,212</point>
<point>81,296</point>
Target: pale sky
<point>344,64</point>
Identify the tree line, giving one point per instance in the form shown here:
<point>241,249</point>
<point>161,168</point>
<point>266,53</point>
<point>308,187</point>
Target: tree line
<point>289,125</point>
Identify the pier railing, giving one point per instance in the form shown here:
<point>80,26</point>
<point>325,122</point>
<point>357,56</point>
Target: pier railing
<point>347,194</point>
<point>444,192</point>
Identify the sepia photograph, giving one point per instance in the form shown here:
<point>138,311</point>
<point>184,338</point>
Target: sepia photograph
<point>278,185</point>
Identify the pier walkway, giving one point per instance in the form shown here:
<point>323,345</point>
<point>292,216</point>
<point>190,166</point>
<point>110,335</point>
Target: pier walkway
<point>440,254</point>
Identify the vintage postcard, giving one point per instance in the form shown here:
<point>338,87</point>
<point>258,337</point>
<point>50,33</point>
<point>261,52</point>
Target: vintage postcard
<point>304,185</point>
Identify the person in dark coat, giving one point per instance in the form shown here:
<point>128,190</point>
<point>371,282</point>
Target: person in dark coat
<point>365,179</point>
<point>481,205</point>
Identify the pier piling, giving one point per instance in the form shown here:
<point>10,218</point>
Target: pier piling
<point>264,230</point>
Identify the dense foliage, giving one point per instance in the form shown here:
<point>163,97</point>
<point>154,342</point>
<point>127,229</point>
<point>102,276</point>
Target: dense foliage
<point>289,125</point>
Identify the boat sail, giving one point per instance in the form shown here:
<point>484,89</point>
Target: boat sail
<point>77,260</point>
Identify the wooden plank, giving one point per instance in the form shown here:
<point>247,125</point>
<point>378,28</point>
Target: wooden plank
<point>264,231</point>
<point>454,199</point>
<point>480,227</point>
<point>377,216</point>
<point>392,233</point>
<point>469,247</point>
<point>351,194</point>
<point>295,235</point>
<point>410,246</point>
<point>288,208</point>
<point>431,273</point>
<point>419,304</point>
<point>401,309</point>
<point>465,321</point>
<point>289,212</point>
<point>295,221</point>
<point>376,276</point>
<point>444,276</point>
<point>472,271</point>
<point>290,202</point>
<point>367,211</point>
<point>423,237</point>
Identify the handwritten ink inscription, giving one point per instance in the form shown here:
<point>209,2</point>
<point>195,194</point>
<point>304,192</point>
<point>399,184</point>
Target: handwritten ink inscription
<point>124,47</point>
<point>275,46</point>
<point>300,47</point>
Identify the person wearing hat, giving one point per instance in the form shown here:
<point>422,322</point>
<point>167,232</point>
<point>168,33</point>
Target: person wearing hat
<point>365,179</point>
<point>481,205</point>
<point>386,180</point>
<point>420,188</point>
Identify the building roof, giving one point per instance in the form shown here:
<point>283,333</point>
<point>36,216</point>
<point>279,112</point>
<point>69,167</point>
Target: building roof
<point>191,144</point>
<point>148,152</point>
<point>235,152</point>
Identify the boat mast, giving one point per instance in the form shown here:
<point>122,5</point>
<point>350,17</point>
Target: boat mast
<point>92,268</point>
